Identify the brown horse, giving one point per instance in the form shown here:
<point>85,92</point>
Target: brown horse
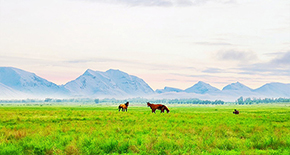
<point>157,106</point>
<point>124,106</point>
<point>236,112</point>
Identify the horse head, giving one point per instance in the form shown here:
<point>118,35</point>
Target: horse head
<point>148,104</point>
<point>127,104</point>
<point>167,109</point>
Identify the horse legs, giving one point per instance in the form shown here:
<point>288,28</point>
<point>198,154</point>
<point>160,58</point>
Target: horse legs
<point>126,109</point>
<point>153,111</point>
<point>121,108</point>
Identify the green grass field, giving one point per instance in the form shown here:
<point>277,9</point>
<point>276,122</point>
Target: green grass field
<point>259,129</point>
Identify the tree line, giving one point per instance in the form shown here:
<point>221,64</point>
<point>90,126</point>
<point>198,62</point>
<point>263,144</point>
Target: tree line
<point>239,101</point>
<point>249,101</point>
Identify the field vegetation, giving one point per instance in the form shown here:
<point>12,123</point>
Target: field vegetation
<point>258,129</point>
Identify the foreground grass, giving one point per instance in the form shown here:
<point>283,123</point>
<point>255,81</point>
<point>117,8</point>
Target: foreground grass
<point>104,130</point>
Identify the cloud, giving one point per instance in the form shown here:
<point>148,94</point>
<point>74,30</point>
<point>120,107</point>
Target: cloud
<point>214,43</point>
<point>213,70</point>
<point>170,80</point>
<point>282,60</point>
<point>278,66</point>
<point>192,75</point>
<point>264,69</point>
<point>234,55</point>
<point>77,61</point>
<point>132,63</point>
<point>159,3</point>
<point>163,3</point>
<point>185,3</point>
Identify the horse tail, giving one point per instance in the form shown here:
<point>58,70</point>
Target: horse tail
<point>121,106</point>
<point>166,108</point>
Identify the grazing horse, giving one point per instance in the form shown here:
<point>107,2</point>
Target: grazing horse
<point>157,106</point>
<point>124,106</point>
<point>236,112</point>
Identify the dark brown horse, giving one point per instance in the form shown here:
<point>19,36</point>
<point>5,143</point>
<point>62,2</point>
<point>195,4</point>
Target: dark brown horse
<point>236,112</point>
<point>124,106</point>
<point>154,107</point>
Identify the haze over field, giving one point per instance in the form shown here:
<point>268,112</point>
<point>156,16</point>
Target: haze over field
<point>167,43</point>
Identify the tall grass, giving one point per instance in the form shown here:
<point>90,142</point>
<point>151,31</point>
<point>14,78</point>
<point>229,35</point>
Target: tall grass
<point>185,130</point>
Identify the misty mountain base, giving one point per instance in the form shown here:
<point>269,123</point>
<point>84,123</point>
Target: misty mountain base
<point>104,130</point>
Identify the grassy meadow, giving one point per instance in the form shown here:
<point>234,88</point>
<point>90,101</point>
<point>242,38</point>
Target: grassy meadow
<point>258,129</point>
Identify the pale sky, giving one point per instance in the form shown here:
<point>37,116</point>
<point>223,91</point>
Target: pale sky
<point>173,43</point>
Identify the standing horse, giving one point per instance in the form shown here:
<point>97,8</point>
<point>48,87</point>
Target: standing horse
<point>157,106</point>
<point>124,106</point>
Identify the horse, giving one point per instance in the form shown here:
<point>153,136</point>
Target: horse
<point>157,106</point>
<point>236,112</point>
<point>124,106</point>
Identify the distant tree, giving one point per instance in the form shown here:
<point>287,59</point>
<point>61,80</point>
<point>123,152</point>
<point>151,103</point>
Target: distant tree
<point>97,101</point>
<point>48,100</point>
<point>240,100</point>
<point>248,101</point>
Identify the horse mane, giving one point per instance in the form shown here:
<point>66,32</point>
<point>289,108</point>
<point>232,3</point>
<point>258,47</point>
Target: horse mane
<point>127,104</point>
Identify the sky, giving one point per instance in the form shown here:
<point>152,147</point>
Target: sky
<point>173,43</point>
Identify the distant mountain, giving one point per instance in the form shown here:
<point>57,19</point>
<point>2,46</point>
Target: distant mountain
<point>202,88</point>
<point>7,92</point>
<point>17,83</point>
<point>236,87</point>
<point>29,83</point>
<point>236,90</point>
<point>274,90</point>
<point>168,89</point>
<point>109,83</point>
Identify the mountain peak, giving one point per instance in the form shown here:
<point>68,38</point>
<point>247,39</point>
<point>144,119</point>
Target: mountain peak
<point>13,70</point>
<point>201,83</point>
<point>237,86</point>
<point>28,82</point>
<point>88,71</point>
<point>111,82</point>
<point>201,88</point>
<point>168,89</point>
<point>275,89</point>
<point>113,70</point>
<point>238,83</point>
<point>116,74</point>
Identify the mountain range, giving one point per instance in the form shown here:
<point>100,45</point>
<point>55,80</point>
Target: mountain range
<point>17,83</point>
<point>107,84</point>
<point>230,92</point>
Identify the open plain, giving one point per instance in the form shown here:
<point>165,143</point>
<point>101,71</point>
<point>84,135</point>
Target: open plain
<point>91,129</point>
